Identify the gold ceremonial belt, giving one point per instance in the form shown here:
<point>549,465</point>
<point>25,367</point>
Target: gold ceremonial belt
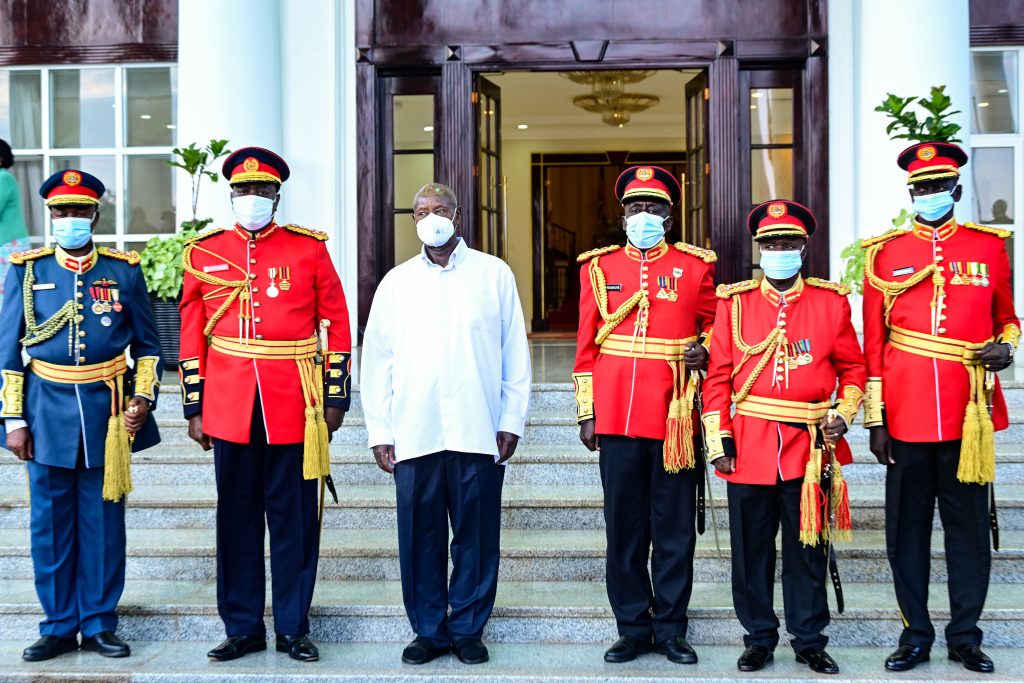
<point>265,350</point>
<point>80,374</point>
<point>930,346</point>
<point>645,347</point>
<point>778,410</point>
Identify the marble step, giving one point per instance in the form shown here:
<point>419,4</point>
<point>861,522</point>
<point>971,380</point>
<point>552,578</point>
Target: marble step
<point>526,555</point>
<point>524,507</point>
<point>185,662</point>
<point>537,464</point>
<point>538,612</point>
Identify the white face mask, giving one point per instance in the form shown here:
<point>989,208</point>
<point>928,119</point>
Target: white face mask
<point>434,230</point>
<point>253,212</point>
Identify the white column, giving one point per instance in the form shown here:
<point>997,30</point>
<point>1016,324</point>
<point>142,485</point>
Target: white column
<point>229,86</point>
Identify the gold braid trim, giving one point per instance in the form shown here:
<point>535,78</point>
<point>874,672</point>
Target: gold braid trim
<point>308,232</point>
<point>705,255</point>
<point>146,380</point>
<point>612,320</point>
<point>726,291</point>
<point>39,332</point>
<point>239,288</point>
<point>12,393</point>
<point>838,287</point>
<point>766,347</point>
<point>587,255</point>
<point>20,257</point>
<point>891,290</point>
<point>998,232</point>
<point>132,258</point>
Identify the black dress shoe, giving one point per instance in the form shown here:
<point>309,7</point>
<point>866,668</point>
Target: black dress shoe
<point>237,646</point>
<point>677,650</point>
<point>818,660</point>
<point>754,658</point>
<point>107,644</point>
<point>300,648</point>
<point>626,649</point>
<point>421,651</point>
<point>972,658</point>
<point>49,647</point>
<point>906,658</point>
<point>470,651</point>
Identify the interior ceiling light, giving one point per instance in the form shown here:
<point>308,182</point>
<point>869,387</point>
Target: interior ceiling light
<point>522,126</point>
<point>608,94</point>
<point>982,104</point>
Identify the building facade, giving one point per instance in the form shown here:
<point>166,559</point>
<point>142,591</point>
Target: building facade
<point>754,101</point>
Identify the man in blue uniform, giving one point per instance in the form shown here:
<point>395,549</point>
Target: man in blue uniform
<point>76,411</point>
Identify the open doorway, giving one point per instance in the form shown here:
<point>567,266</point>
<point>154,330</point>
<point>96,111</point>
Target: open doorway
<point>549,151</point>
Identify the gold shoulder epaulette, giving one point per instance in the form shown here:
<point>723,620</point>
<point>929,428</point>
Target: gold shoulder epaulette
<point>705,255</point>
<point>837,287</point>
<point>726,291</point>
<point>587,255</point>
<point>132,258</point>
<point>19,257</point>
<point>204,234</point>
<point>308,232</point>
<point>884,237</point>
<point>998,232</point>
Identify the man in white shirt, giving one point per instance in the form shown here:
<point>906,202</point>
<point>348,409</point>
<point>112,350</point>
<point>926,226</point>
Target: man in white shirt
<point>446,385</point>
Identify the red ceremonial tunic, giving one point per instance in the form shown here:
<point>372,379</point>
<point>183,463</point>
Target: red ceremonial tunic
<point>223,387</point>
<point>631,372</point>
<point>925,398</point>
<point>821,355</point>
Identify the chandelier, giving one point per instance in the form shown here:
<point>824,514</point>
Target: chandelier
<point>608,94</point>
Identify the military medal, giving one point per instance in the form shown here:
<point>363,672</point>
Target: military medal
<point>984,274</point>
<point>272,290</point>
<point>286,276</point>
<point>677,272</point>
<point>956,267</point>
<point>117,303</point>
<point>662,284</point>
<point>672,294</point>
<point>97,307</point>
<point>106,321</point>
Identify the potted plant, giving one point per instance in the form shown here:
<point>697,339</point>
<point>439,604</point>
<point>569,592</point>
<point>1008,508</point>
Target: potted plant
<point>161,259</point>
<point>905,126</point>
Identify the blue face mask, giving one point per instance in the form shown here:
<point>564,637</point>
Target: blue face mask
<point>781,265</point>
<point>645,230</point>
<point>72,232</point>
<point>932,207</point>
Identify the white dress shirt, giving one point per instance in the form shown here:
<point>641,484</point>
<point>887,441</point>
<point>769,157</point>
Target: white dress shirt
<point>445,362</point>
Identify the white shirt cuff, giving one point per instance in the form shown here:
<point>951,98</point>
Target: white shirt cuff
<point>12,423</point>
<point>380,437</point>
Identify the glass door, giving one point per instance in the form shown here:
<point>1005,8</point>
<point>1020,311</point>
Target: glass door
<point>491,182</point>
<point>695,188</point>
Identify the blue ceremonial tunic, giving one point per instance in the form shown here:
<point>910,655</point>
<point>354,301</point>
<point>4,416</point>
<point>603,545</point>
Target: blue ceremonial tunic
<point>60,415</point>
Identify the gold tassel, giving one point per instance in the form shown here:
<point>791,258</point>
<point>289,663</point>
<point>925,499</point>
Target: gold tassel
<point>678,448</point>
<point>977,444</point>
<point>316,454</point>
<point>841,506</point>
<point>810,497</point>
<point>117,476</point>
<point>312,467</point>
<point>673,449</point>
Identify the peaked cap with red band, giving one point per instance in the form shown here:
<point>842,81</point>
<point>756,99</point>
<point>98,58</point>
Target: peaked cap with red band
<point>255,165</point>
<point>647,182</point>
<point>71,186</point>
<point>931,161</point>
<point>780,218</point>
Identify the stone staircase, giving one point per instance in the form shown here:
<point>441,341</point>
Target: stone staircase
<point>551,620</point>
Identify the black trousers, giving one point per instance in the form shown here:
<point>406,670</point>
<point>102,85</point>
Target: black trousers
<point>922,473</point>
<point>464,488</point>
<point>257,480</point>
<point>646,506</point>
<point>755,514</point>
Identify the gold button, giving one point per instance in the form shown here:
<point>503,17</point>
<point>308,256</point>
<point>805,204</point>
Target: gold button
<point>255,290</point>
<point>81,346</point>
<point>252,276</point>
<point>942,317</point>
<point>256,304</point>
<point>644,291</point>
<point>78,295</point>
<point>79,283</point>
<point>644,276</point>
<point>939,258</point>
<point>81,306</point>
<point>782,314</point>
<point>81,359</point>
<point>259,320</point>
<point>259,336</point>
<point>81,333</point>
<point>938,249</point>
<point>252,260</point>
<point>942,330</point>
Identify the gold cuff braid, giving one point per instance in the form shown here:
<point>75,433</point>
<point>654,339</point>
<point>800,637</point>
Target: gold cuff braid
<point>146,381</point>
<point>873,403</point>
<point>584,383</point>
<point>12,394</point>
<point>713,435</point>
<point>1010,335</point>
<point>849,403</point>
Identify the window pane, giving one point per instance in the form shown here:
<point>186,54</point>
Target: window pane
<point>993,185</point>
<point>771,116</point>
<point>994,92</point>
<point>150,96</point>
<point>20,117</point>
<point>407,244</point>
<point>414,122</point>
<point>28,171</point>
<point>149,195</point>
<point>103,168</point>
<point>412,171</point>
<point>771,174</point>
<point>82,108</point>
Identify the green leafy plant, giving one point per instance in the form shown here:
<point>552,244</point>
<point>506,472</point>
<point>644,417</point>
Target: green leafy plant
<point>161,259</point>
<point>905,125</point>
<point>196,161</point>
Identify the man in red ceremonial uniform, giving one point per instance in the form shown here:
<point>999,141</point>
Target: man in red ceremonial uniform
<point>781,349</point>
<point>265,356</point>
<point>645,311</point>
<point>938,323</point>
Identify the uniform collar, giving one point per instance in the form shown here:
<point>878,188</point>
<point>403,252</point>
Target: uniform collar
<point>76,264</point>
<point>457,256</point>
<point>939,234</point>
<point>261,234</point>
<point>653,254</point>
<point>775,297</point>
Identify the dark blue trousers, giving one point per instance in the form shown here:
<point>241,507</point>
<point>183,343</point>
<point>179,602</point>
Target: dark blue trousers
<point>78,550</point>
<point>465,489</point>
<point>257,480</point>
